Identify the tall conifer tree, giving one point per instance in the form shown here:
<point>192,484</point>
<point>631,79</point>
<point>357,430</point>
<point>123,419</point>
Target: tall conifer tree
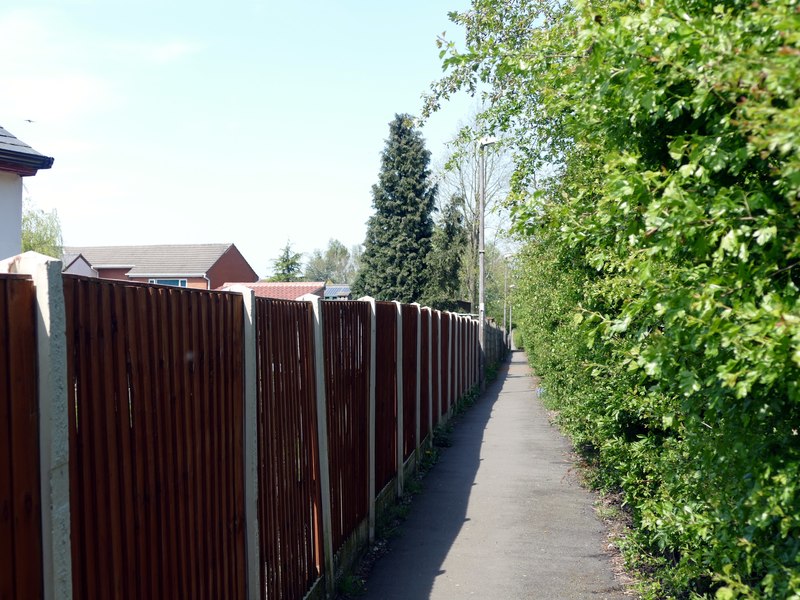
<point>394,263</point>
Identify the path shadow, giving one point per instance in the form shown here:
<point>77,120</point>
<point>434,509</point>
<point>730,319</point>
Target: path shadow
<point>438,514</point>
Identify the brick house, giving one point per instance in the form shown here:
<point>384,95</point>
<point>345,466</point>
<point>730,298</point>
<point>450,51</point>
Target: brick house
<point>17,160</point>
<point>199,266</point>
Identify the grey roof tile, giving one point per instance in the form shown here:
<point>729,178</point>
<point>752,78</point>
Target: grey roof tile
<point>12,148</point>
<point>177,259</point>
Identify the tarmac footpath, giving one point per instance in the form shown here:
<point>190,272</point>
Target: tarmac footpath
<point>501,515</point>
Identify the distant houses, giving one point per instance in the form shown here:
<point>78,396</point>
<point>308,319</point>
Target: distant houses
<point>17,160</point>
<point>337,291</point>
<point>293,290</point>
<point>282,290</point>
<point>199,266</point>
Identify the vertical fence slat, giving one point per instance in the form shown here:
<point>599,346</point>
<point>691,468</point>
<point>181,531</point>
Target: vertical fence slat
<point>8,574</point>
<point>20,498</point>
<point>24,441</point>
<point>289,500</point>
<point>126,459</point>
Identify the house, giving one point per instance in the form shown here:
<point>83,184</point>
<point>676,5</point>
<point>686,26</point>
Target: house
<point>17,160</point>
<point>337,291</point>
<point>199,266</point>
<point>289,290</point>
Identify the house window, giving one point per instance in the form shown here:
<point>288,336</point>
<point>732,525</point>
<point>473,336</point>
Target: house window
<point>175,282</point>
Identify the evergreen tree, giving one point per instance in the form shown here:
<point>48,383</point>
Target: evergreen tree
<point>448,245</point>
<point>394,263</point>
<point>287,266</point>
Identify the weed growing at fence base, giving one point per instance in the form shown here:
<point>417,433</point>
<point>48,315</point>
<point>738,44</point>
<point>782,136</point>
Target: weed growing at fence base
<point>491,372</point>
<point>441,436</point>
<point>429,458</point>
<point>350,585</point>
<point>467,401</point>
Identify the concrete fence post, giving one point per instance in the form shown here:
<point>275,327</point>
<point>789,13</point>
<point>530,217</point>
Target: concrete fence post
<point>399,377</point>
<point>372,359</point>
<point>51,349</point>
<point>250,386</point>
<point>322,436</point>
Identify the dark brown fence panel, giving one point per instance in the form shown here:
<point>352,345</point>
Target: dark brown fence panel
<point>409,313</point>
<point>436,374</point>
<point>20,498</point>
<point>473,352</point>
<point>464,345</point>
<point>346,332</point>
<point>289,509</point>
<point>446,362</point>
<point>424,375</point>
<point>156,465</point>
<point>459,366</point>
<point>385,393</point>
<point>453,360</point>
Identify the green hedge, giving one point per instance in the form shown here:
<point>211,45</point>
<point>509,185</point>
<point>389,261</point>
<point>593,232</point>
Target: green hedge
<point>658,195</point>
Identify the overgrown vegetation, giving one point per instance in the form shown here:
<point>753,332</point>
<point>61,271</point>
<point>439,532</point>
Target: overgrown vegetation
<point>658,189</point>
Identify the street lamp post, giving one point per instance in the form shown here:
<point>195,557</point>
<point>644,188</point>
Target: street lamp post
<point>482,143</point>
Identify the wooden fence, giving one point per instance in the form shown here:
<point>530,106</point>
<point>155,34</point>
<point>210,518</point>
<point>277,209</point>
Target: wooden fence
<point>446,368</point>
<point>156,466</point>
<point>436,362</point>
<point>385,393</point>
<point>424,374</point>
<point>290,510</point>
<point>20,498</point>
<point>347,356</point>
<point>156,389</point>
<point>409,345</point>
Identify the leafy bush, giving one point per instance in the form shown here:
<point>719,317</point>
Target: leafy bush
<point>660,278</point>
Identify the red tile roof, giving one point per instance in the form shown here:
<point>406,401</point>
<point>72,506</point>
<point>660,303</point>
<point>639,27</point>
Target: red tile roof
<point>291,290</point>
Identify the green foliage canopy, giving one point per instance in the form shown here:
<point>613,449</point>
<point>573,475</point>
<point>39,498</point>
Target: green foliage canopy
<point>287,266</point>
<point>334,265</point>
<point>393,265</point>
<point>661,267</point>
<point>448,246</point>
<point>41,231</point>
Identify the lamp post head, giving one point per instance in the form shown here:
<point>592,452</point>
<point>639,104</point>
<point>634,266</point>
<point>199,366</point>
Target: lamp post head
<point>487,140</point>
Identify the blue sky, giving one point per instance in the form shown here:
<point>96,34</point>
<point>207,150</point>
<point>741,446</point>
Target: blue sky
<point>245,121</point>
